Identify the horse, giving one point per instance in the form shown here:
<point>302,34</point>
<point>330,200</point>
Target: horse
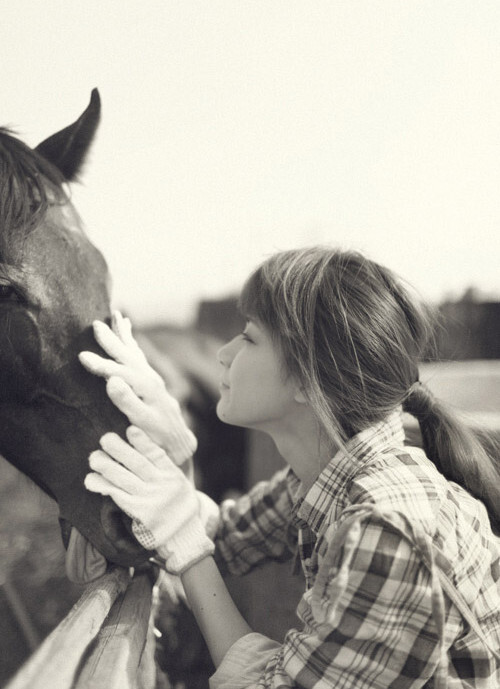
<point>53,284</point>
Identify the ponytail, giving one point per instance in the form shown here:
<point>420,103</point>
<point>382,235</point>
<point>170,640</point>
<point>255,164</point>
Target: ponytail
<point>458,451</point>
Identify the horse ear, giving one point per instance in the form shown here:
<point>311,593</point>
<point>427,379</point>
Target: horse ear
<point>67,149</point>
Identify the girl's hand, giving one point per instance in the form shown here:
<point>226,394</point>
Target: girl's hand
<point>164,506</point>
<point>138,390</point>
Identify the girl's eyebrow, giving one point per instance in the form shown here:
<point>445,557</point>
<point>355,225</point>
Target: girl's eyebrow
<point>254,322</point>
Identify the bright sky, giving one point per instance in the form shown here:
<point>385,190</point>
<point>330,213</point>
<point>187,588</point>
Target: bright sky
<point>235,128</point>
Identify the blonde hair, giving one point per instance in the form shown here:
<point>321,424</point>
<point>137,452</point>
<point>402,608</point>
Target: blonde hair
<point>353,336</point>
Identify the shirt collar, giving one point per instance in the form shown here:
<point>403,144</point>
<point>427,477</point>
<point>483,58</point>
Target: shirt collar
<point>315,506</point>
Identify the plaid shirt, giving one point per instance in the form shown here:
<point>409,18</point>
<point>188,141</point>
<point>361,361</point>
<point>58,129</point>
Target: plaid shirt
<point>402,574</point>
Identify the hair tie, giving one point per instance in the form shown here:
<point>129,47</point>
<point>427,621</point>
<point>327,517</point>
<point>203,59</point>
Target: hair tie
<point>414,387</point>
<point>418,400</point>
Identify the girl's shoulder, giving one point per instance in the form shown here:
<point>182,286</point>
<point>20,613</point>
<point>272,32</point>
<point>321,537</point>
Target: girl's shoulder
<point>396,474</point>
<point>401,480</point>
<point>402,491</point>
<point>404,482</point>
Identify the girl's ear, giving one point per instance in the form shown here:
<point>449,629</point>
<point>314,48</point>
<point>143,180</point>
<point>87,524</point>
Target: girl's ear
<point>300,396</point>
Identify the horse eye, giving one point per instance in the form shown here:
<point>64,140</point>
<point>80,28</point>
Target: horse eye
<point>7,293</point>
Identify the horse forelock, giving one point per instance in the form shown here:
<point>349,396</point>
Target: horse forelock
<point>29,186</point>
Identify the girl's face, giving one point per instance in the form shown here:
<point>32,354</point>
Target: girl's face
<point>255,390</point>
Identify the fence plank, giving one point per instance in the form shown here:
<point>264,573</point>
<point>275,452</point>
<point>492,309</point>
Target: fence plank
<point>114,658</point>
<point>57,660</point>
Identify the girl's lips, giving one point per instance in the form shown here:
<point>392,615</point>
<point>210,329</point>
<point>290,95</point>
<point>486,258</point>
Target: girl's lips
<point>223,386</point>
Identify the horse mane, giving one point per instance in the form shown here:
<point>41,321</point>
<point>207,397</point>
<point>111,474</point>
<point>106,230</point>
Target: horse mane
<point>29,185</point>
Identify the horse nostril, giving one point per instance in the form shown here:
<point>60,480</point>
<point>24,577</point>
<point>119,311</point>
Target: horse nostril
<point>117,527</point>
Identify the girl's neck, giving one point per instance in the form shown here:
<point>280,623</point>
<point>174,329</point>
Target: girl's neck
<point>305,449</point>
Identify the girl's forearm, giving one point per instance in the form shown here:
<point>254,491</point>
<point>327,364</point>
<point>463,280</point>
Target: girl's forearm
<point>217,616</point>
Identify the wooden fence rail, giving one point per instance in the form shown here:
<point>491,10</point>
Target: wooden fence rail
<point>105,642</point>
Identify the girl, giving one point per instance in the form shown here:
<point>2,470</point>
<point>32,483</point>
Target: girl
<point>398,545</point>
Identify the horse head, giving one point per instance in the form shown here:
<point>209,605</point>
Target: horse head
<point>53,284</point>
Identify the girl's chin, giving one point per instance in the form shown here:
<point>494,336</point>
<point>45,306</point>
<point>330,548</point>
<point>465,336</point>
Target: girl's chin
<point>223,415</point>
<point>219,409</point>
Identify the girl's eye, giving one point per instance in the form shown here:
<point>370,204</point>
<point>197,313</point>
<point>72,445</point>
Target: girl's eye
<point>246,337</point>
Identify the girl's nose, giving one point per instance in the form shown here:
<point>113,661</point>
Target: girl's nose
<point>225,355</point>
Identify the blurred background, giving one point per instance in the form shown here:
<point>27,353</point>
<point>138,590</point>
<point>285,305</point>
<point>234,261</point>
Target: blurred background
<point>232,129</point>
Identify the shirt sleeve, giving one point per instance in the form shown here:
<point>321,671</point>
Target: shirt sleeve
<point>369,622</point>
<point>256,527</point>
<point>244,663</point>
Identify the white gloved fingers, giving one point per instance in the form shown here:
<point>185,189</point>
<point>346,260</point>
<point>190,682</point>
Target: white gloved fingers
<point>187,468</point>
<point>147,447</point>
<point>123,328</point>
<point>140,414</point>
<point>99,366</point>
<point>127,459</point>
<point>114,473</point>
<point>110,342</point>
<point>98,484</point>
<point>138,390</point>
<point>123,396</point>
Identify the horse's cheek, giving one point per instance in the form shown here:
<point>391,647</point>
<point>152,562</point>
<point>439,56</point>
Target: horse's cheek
<point>20,355</point>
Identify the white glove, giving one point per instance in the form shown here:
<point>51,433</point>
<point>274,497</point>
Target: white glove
<point>84,563</point>
<point>138,390</point>
<point>155,493</point>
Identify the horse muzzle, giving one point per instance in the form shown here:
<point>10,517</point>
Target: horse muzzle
<point>117,527</point>
<point>109,531</point>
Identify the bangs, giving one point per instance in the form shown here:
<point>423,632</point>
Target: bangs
<point>256,298</point>
<point>263,299</point>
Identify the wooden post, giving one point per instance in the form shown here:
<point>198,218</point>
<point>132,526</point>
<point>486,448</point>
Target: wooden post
<point>113,660</point>
<point>111,643</point>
